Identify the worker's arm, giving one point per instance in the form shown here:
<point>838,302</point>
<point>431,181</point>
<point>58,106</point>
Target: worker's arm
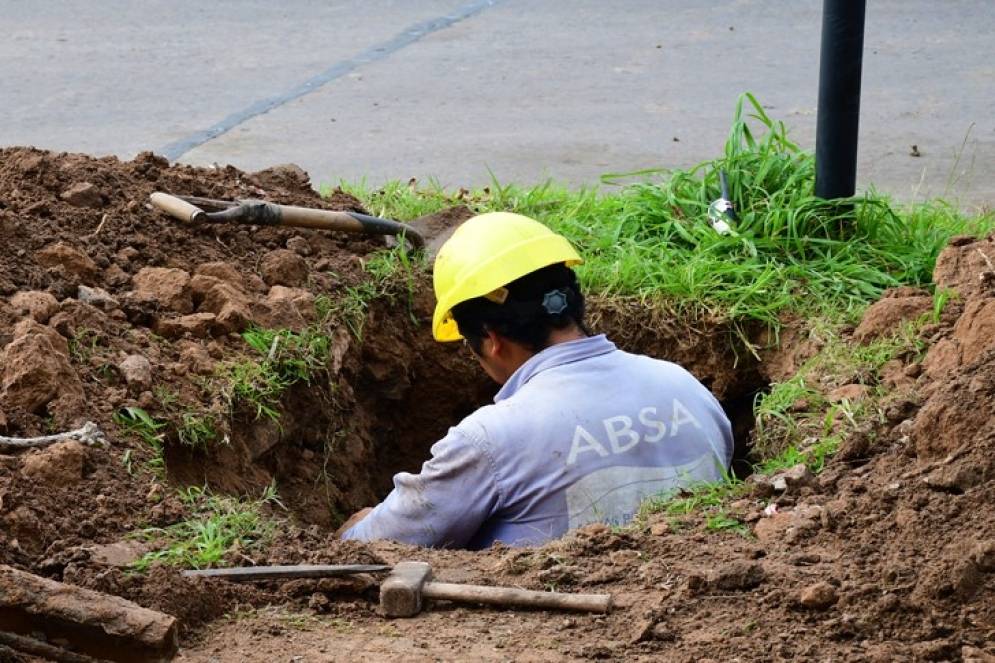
<point>444,505</point>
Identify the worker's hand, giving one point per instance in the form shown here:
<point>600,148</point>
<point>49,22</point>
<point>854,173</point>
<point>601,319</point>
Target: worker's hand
<point>353,519</point>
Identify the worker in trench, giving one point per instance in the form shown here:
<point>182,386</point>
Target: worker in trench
<point>580,431</point>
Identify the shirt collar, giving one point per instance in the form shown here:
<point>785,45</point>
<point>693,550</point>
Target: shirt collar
<point>553,356</point>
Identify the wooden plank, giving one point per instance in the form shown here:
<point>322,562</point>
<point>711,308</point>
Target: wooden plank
<point>83,621</point>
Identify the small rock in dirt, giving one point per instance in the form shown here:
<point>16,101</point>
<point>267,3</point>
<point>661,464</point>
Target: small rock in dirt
<point>75,318</point>
<point>35,371</point>
<point>39,305</point>
<point>956,478</point>
<point>974,331</point>
<point>120,554</point>
<point>230,305</point>
<point>793,478</point>
<point>651,628</point>
<point>969,654</point>
<point>168,288</point>
<point>299,245</point>
<point>60,464</point>
<point>906,518</point>
<point>819,596</point>
<point>788,526</point>
<point>961,264</point>
<point>197,325</point>
<point>283,267</point>
<point>661,528</point>
<point>806,559</point>
<point>262,435</point>
<point>849,392</point>
<point>126,255</point>
<point>936,650</point>
<point>319,602</point>
<point>561,574</point>
<point>116,277</point>
<point>289,308</point>
<point>137,372</point>
<point>892,309</point>
<point>97,297</point>
<point>734,576</point>
<point>83,194</point>
<point>222,271</point>
<point>760,485</point>
<point>72,262</point>
<point>983,555</point>
<point>942,357</point>
<point>196,358</point>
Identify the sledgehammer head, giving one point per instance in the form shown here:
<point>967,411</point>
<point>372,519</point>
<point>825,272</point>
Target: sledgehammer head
<point>401,592</point>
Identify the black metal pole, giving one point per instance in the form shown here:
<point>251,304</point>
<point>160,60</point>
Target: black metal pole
<point>840,65</point>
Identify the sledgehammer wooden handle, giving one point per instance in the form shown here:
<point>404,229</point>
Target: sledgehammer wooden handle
<point>513,597</point>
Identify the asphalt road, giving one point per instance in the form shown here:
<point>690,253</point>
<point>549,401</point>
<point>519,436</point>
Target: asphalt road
<point>458,89</point>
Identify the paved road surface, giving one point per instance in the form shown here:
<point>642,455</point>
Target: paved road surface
<point>528,89</point>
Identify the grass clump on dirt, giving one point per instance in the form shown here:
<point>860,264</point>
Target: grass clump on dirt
<point>797,422</point>
<point>790,251</point>
<point>798,411</point>
<point>139,423</point>
<point>283,359</point>
<point>387,272</point>
<point>219,525</point>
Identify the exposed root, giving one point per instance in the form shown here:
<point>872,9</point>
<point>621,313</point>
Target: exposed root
<point>90,434</point>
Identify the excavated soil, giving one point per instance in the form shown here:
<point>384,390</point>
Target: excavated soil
<point>104,304</point>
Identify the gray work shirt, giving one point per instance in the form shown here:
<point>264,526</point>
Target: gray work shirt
<point>582,432</point>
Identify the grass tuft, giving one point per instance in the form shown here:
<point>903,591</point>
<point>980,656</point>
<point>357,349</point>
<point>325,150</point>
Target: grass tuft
<point>139,423</point>
<point>220,525</point>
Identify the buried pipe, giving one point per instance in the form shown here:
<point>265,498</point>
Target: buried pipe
<point>840,66</point>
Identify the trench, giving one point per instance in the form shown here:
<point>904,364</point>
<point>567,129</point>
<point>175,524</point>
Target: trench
<point>341,440</point>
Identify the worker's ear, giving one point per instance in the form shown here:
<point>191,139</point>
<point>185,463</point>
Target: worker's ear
<point>492,346</point>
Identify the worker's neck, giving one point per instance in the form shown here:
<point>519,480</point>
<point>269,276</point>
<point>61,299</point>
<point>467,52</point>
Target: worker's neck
<point>512,355</point>
<point>571,333</point>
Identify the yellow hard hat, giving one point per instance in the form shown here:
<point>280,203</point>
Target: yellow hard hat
<point>486,253</point>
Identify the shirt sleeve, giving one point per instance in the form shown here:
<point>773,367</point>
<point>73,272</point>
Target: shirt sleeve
<point>444,505</point>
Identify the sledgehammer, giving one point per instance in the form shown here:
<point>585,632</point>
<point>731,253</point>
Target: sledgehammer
<point>402,592</point>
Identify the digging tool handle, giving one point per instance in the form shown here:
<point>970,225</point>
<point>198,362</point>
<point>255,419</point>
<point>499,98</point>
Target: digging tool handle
<point>175,207</point>
<point>520,598</point>
<point>287,572</point>
<point>303,217</point>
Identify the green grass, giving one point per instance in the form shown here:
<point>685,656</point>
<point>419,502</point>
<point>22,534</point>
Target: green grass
<point>220,525</point>
<point>139,423</point>
<point>796,414</point>
<point>790,252</point>
<point>283,359</point>
<point>84,344</point>
<point>387,273</point>
<point>191,424</point>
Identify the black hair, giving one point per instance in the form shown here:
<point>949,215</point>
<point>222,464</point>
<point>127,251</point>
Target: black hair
<point>536,304</point>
